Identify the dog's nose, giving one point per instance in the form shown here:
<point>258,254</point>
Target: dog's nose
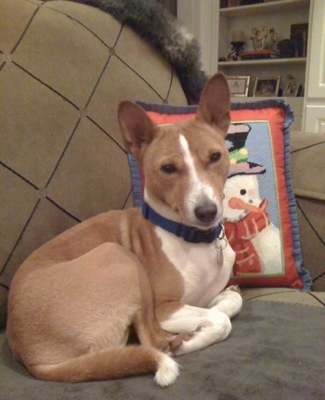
<point>206,213</point>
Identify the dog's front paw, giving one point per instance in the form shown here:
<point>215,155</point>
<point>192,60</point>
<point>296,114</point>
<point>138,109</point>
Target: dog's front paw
<point>234,288</point>
<point>229,301</point>
<point>176,342</point>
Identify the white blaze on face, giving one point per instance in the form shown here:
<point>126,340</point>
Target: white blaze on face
<point>198,191</point>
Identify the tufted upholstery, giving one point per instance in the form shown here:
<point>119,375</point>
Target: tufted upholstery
<point>64,67</point>
<point>307,167</point>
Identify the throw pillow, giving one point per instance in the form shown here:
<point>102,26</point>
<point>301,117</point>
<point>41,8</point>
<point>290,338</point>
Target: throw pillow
<point>260,216</point>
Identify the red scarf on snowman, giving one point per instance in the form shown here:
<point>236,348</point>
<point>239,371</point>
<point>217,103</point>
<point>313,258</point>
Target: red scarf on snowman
<point>241,233</point>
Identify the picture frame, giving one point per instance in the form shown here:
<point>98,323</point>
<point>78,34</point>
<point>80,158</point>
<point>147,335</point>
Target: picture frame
<point>291,88</point>
<point>238,84</point>
<point>267,87</point>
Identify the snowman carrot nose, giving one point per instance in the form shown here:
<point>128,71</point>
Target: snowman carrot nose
<point>239,204</point>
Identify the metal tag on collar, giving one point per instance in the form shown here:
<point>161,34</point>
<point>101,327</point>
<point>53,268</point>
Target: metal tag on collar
<point>221,244</point>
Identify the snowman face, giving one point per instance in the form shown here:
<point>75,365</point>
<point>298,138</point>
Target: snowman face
<point>241,196</point>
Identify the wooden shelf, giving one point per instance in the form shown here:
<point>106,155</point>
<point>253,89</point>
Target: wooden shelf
<point>266,61</point>
<point>261,8</point>
<point>242,99</point>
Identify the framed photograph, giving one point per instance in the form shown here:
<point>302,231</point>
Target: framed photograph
<point>239,85</point>
<point>267,87</point>
<point>291,89</point>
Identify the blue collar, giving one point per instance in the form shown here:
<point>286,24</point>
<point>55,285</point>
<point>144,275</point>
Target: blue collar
<point>189,234</point>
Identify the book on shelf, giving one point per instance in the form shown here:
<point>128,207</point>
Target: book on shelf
<point>299,35</point>
<point>236,3</point>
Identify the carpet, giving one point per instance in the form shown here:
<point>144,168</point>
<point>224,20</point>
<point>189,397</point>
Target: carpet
<point>275,351</point>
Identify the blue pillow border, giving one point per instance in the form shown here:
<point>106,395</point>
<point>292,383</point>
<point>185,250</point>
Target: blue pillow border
<point>247,105</point>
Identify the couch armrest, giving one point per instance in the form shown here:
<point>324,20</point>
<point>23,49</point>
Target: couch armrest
<point>308,174</point>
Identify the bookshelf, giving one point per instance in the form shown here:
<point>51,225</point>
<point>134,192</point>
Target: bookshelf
<point>280,15</point>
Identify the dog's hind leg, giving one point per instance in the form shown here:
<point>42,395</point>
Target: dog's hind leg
<point>111,363</point>
<point>74,327</point>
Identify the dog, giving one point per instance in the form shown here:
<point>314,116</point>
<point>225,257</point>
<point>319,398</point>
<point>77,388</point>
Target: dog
<point>160,271</point>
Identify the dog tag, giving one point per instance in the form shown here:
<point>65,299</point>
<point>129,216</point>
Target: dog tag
<point>220,256</point>
<point>221,244</point>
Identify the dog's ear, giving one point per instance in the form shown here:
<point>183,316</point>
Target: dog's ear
<point>214,105</point>
<point>136,127</point>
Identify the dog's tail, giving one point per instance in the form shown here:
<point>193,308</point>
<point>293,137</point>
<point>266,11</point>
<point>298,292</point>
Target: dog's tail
<point>112,363</point>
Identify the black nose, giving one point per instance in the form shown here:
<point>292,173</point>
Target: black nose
<point>206,213</point>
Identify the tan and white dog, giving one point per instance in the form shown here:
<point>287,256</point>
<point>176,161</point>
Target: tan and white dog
<point>161,271</point>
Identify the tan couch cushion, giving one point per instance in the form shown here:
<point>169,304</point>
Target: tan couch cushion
<point>308,166</point>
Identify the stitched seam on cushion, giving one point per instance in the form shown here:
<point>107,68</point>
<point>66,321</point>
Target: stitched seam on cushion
<point>20,236</point>
<point>4,267</point>
<point>306,147</point>
<point>19,176</point>
<point>105,66</point>
<point>287,302</point>
<point>292,304</point>
<point>62,209</point>
<point>139,76</point>
<point>319,276</point>
<point>316,298</point>
<point>107,134</point>
<point>310,224</point>
<point>170,86</point>
<point>46,85</point>
<point>64,150</point>
<point>309,194</point>
<point>127,199</point>
<point>273,293</point>
<point>80,23</point>
<point>303,192</point>
<point>26,28</point>
<point>3,62</point>
<point>4,286</point>
<point>63,153</point>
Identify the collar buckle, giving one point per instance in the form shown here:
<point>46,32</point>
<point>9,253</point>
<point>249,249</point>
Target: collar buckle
<point>194,235</point>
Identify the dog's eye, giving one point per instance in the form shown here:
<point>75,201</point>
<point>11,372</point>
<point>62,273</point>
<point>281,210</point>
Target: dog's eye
<point>215,157</point>
<point>243,192</point>
<point>168,168</point>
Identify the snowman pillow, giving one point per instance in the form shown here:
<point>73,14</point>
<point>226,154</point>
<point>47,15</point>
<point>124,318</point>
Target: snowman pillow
<point>260,216</point>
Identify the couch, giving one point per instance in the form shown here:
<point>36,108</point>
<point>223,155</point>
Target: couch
<point>64,69</point>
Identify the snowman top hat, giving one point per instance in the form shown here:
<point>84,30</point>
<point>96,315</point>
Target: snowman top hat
<point>238,153</point>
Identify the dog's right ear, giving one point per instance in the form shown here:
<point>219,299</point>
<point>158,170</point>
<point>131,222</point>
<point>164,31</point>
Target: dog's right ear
<point>136,127</point>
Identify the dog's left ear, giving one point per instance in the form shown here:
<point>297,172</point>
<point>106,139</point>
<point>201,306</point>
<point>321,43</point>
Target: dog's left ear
<point>136,127</point>
<point>214,104</point>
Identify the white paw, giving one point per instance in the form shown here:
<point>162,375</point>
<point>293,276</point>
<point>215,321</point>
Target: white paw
<point>230,301</point>
<point>234,288</point>
<point>215,329</point>
<point>167,371</point>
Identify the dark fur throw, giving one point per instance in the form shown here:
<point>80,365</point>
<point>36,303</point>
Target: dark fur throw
<point>156,25</point>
